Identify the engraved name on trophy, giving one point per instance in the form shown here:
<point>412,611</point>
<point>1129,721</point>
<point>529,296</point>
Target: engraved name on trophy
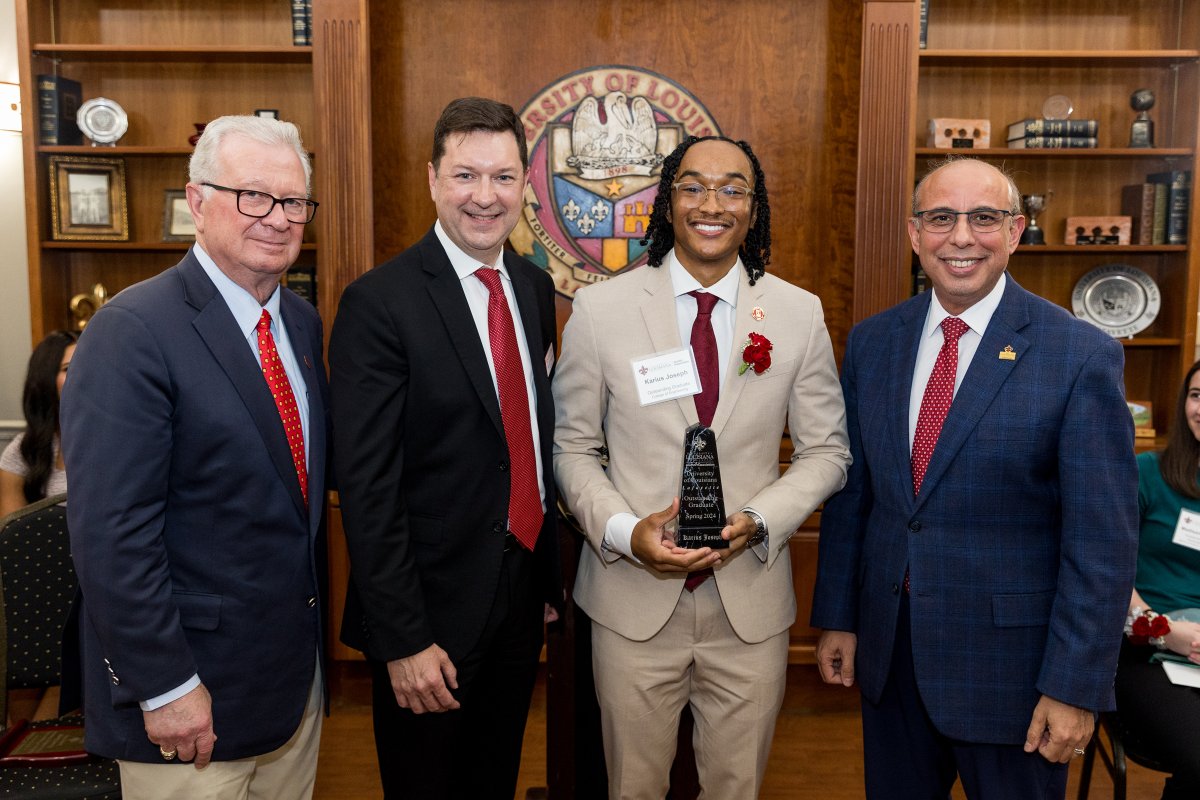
<point>701,505</point>
<point>1141,130</point>
<point>1034,205</point>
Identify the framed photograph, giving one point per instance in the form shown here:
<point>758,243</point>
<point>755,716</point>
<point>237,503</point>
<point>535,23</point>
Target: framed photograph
<point>178,225</point>
<point>87,199</point>
<point>1143,418</point>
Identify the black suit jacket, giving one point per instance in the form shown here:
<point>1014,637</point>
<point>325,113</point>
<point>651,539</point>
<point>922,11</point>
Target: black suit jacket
<point>421,456</point>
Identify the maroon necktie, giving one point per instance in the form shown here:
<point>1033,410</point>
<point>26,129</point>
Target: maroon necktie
<point>285,401</point>
<point>935,404</point>
<point>704,348</point>
<point>524,499</point>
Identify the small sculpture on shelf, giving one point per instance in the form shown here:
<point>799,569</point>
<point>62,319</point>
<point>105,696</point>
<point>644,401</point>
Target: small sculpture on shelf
<point>84,306</point>
<point>1141,131</point>
<point>1034,204</point>
<point>195,137</point>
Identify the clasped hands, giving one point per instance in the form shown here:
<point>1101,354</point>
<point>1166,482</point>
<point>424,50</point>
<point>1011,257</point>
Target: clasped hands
<point>653,542</point>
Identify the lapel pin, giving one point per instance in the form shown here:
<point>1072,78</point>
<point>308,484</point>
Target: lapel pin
<point>758,314</point>
<point>1007,353</point>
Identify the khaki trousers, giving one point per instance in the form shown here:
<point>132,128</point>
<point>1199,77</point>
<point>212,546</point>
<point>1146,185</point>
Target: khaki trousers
<point>284,774</point>
<point>735,690</point>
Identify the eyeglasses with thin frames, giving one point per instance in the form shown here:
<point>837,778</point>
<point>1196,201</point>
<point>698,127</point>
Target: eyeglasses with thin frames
<point>257,204</point>
<point>943,220</point>
<point>693,194</point>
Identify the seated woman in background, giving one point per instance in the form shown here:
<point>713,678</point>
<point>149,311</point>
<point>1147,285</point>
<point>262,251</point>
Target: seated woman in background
<point>31,467</point>
<point>1165,609</point>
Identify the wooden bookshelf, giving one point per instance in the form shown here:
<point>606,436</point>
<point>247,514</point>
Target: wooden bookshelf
<point>999,62</point>
<point>172,64</point>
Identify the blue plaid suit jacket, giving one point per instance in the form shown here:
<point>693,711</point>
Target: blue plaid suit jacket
<point>1022,544</point>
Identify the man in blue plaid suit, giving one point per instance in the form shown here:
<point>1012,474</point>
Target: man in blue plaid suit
<point>981,612</point>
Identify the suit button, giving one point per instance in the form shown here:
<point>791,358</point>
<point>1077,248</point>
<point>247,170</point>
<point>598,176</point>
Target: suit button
<point>312,602</point>
<point>895,588</point>
<point>116,680</point>
<point>914,526</point>
<point>503,465</point>
<point>498,527</point>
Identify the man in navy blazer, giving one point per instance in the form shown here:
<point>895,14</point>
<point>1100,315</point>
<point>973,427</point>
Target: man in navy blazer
<point>197,496</point>
<point>982,614</point>
<point>448,512</point>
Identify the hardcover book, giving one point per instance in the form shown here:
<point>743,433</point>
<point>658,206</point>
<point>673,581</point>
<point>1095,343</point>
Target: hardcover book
<point>1137,202</point>
<point>1052,142</point>
<point>1053,127</point>
<point>59,99</point>
<point>1178,203</point>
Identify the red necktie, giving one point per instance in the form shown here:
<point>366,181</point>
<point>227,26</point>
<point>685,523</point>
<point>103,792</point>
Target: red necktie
<point>704,347</point>
<point>936,402</point>
<point>285,401</point>
<point>524,499</point>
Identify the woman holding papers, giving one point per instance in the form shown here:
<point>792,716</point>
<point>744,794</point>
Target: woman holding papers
<point>1164,612</point>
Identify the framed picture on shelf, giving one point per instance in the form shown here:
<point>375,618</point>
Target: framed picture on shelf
<point>178,225</point>
<point>87,199</point>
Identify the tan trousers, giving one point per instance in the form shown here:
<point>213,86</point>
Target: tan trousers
<point>735,690</point>
<point>284,774</point>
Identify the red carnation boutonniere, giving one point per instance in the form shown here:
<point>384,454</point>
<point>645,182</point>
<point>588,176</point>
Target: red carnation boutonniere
<point>757,354</point>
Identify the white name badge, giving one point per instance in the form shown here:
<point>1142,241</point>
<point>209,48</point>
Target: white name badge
<point>665,376</point>
<point>1187,530</point>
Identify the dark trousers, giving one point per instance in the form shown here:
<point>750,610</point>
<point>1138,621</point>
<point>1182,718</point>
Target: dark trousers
<point>475,751</point>
<point>907,759</point>
<point>1165,719</point>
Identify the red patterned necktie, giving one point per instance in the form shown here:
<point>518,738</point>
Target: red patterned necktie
<point>704,347</point>
<point>524,499</point>
<point>936,402</point>
<point>285,401</point>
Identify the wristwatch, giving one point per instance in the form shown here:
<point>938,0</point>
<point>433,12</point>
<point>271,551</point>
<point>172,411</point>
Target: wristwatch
<point>760,528</point>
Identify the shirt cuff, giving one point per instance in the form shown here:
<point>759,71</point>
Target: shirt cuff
<point>168,697</point>
<point>618,535</point>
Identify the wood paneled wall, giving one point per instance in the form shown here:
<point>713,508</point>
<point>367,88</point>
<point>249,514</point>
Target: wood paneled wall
<point>781,74</point>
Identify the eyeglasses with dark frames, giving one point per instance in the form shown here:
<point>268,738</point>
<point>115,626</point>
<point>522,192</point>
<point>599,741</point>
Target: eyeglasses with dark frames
<point>943,220</point>
<point>257,204</point>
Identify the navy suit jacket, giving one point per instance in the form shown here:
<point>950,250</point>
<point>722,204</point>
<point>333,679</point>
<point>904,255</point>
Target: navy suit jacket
<point>421,456</point>
<point>194,549</point>
<point>1022,543</point>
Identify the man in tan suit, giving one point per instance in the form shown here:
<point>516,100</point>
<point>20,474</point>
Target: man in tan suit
<point>721,644</point>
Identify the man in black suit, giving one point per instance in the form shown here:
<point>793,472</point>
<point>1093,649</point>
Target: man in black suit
<point>440,361</point>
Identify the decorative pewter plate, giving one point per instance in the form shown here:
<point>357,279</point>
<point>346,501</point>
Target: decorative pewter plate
<point>1118,299</point>
<point>102,120</point>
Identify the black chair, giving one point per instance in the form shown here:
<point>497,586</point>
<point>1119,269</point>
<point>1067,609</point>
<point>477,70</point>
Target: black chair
<point>1123,746</point>
<point>37,586</point>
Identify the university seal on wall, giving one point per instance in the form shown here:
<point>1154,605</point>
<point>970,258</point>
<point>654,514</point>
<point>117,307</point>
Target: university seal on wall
<point>597,139</point>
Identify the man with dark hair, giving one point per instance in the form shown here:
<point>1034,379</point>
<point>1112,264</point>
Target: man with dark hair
<point>440,361</point>
<point>975,572</point>
<point>705,626</point>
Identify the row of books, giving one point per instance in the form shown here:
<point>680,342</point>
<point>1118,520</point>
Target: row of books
<point>301,22</point>
<point>1053,133</point>
<point>1159,207</point>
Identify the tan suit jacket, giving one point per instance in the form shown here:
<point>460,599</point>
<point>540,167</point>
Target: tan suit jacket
<point>596,400</point>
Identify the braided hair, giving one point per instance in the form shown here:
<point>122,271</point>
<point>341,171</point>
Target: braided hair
<point>660,234</point>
